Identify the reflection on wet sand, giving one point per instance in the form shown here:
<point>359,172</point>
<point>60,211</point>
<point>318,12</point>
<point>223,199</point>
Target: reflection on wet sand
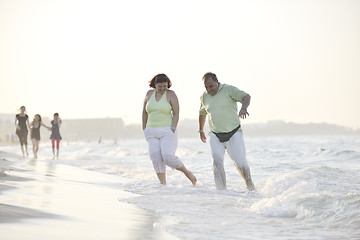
<point>47,200</point>
<point>11,213</point>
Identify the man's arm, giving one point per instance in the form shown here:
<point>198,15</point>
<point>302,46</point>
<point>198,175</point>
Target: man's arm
<point>245,104</point>
<point>202,119</point>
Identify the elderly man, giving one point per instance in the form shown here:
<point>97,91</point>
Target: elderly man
<point>219,102</point>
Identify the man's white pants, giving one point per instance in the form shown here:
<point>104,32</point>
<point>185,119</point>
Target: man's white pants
<point>162,148</point>
<point>236,150</point>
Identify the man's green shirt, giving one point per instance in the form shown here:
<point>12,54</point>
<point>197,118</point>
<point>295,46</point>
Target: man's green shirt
<point>222,108</point>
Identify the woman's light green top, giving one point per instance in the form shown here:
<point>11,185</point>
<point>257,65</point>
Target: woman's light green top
<point>159,112</point>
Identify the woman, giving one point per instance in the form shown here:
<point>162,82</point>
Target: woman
<point>159,120</point>
<point>55,134</point>
<point>22,124</point>
<point>35,133</point>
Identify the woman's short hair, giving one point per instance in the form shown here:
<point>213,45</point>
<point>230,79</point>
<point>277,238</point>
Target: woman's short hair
<point>210,75</point>
<point>160,78</point>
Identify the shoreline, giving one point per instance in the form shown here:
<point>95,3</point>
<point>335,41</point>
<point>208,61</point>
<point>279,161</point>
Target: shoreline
<point>42,199</point>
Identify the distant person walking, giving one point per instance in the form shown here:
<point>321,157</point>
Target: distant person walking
<point>55,135</point>
<point>159,121</point>
<point>219,102</point>
<point>22,126</point>
<point>35,133</point>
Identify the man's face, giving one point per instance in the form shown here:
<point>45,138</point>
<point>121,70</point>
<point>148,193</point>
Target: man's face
<point>211,86</point>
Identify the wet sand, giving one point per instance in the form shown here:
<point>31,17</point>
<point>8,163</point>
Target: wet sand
<point>45,200</point>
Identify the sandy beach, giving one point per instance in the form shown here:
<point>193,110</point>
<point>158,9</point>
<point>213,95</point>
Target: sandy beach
<point>43,199</point>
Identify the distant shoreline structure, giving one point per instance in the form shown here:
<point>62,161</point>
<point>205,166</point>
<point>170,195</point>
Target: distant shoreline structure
<point>115,128</point>
<point>282,128</point>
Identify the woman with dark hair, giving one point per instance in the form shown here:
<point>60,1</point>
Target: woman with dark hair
<point>55,134</point>
<point>22,124</point>
<point>159,120</point>
<point>35,133</point>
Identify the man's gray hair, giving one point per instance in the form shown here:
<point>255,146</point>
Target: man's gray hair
<point>210,75</point>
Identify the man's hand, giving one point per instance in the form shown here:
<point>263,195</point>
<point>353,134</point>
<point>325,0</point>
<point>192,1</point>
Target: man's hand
<point>203,137</point>
<point>242,114</point>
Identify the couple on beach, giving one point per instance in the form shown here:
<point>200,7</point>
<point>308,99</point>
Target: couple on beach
<point>161,115</point>
<point>22,128</point>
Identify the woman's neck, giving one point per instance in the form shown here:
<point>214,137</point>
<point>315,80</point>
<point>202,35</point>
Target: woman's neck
<point>157,92</point>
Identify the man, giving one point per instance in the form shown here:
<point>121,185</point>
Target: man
<point>219,102</point>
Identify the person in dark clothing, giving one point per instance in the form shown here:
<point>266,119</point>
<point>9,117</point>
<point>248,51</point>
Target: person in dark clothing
<point>22,126</point>
<point>55,134</point>
<point>35,133</point>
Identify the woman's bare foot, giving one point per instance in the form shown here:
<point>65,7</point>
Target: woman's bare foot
<point>162,178</point>
<point>192,178</point>
<point>188,174</point>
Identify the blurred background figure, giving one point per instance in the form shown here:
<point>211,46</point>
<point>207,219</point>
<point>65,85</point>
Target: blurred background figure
<point>55,134</point>
<point>35,133</point>
<point>22,126</point>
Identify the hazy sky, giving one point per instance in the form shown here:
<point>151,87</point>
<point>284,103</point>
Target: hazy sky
<point>299,60</point>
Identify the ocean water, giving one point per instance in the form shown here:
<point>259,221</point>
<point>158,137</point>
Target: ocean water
<point>307,187</point>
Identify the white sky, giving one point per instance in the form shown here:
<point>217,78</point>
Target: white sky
<point>299,60</point>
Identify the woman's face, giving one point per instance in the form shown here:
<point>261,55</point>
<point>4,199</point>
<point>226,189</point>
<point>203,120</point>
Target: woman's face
<point>56,117</point>
<point>22,109</point>
<point>161,87</point>
<point>37,118</point>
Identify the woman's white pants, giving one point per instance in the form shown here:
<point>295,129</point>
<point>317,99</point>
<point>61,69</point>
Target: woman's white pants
<point>162,147</point>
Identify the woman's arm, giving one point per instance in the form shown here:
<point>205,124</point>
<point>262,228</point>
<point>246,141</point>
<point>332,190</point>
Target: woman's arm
<point>42,124</point>
<point>16,123</point>
<point>28,124</point>
<point>174,102</point>
<point>144,113</point>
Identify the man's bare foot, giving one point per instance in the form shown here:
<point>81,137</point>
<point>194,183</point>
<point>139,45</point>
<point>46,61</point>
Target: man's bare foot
<point>250,185</point>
